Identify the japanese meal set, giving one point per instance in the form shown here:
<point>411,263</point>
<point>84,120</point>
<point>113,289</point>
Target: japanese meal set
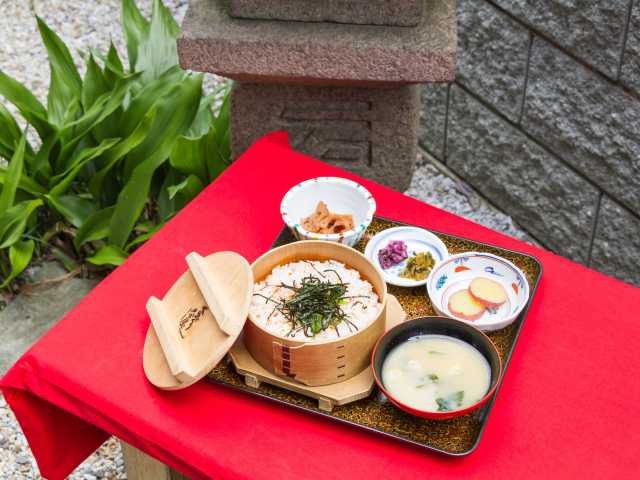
<point>384,326</point>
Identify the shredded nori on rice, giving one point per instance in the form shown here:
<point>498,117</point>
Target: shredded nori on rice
<point>315,306</point>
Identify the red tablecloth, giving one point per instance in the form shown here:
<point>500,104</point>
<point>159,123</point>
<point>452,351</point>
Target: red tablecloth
<point>568,404</point>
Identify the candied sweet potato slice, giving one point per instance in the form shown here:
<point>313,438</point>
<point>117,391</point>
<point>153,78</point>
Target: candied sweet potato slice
<point>488,292</point>
<point>462,304</point>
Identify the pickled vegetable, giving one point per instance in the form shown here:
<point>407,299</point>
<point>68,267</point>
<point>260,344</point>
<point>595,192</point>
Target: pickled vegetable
<point>418,266</point>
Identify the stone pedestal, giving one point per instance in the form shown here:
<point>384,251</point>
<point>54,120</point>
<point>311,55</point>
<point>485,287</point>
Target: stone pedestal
<point>370,131</point>
<point>402,13</point>
<point>338,75</point>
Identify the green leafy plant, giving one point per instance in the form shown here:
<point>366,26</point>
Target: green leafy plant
<point>120,151</point>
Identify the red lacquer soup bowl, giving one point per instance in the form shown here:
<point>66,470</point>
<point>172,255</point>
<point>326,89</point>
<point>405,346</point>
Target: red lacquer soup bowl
<point>436,326</point>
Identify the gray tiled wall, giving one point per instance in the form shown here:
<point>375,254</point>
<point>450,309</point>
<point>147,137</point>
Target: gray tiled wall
<point>544,120</point>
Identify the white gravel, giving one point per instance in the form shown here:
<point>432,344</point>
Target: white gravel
<point>81,25</point>
<point>84,25</point>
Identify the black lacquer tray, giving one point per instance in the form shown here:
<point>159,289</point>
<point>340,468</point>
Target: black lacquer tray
<point>458,436</point>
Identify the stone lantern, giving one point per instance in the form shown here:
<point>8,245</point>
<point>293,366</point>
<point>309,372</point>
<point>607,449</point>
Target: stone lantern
<point>341,76</point>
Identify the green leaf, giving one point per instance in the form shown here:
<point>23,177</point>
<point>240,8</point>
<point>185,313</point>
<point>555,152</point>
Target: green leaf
<point>26,183</point>
<point>113,156</point>
<point>104,106</point>
<point>95,227</point>
<point>9,133</point>
<point>61,182</point>
<point>174,189</point>
<point>157,50</point>
<point>67,262</point>
<point>206,155</point>
<point>204,118</point>
<point>166,207</point>
<point>73,208</point>
<point>13,175</point>
<point>168,21</point>
<point>187,189</point>
<point>219,150</point>
<point>20,254</point>
<point>14,221</point>
<point>59,57</point>
<point>70,111</point>
<point>112,73</point>
<point>174,196</point>
<point>26,103</point>
<point>113,63</point>
<point>42,167</point>
<point>174,116</point>
<point>151,94</point>
<point>143,237</point>
<point>66,84</point>
<point>62,103</point>
<point>189,156</point>
<point>108,255</point>
<point>94,84</point>
<point>135,27</point>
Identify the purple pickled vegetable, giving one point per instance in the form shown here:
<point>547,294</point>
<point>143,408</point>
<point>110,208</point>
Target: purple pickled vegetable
<point>394,253</point>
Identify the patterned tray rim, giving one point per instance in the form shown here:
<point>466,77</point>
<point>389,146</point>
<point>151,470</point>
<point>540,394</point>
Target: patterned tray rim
<point>483,412</point>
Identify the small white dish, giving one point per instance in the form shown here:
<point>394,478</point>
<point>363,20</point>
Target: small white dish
<point>341,195</point>
<point>417,240</point>
<point>457,272</point>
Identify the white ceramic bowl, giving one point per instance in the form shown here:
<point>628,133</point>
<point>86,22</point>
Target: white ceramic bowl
<point>341,196</point>
<point>457,272</point>
<point>417,240</point>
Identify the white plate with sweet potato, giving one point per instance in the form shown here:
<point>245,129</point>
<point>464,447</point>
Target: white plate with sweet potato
<point>479,288</point>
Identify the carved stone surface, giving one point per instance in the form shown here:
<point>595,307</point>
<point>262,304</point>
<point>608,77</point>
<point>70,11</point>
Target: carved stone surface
<point>406,13</point>
<point>370,131</point>
<point>321,53</point>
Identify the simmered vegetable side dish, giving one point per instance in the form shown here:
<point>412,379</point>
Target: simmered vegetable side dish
<point>324,221</point>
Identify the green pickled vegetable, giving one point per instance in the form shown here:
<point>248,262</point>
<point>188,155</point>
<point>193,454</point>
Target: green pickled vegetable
<point>418,266</point>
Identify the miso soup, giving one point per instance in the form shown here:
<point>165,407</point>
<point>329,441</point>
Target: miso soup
<point>436,373</point>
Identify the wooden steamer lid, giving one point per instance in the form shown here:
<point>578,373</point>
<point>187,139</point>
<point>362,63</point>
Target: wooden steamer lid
<point>198,320</point>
